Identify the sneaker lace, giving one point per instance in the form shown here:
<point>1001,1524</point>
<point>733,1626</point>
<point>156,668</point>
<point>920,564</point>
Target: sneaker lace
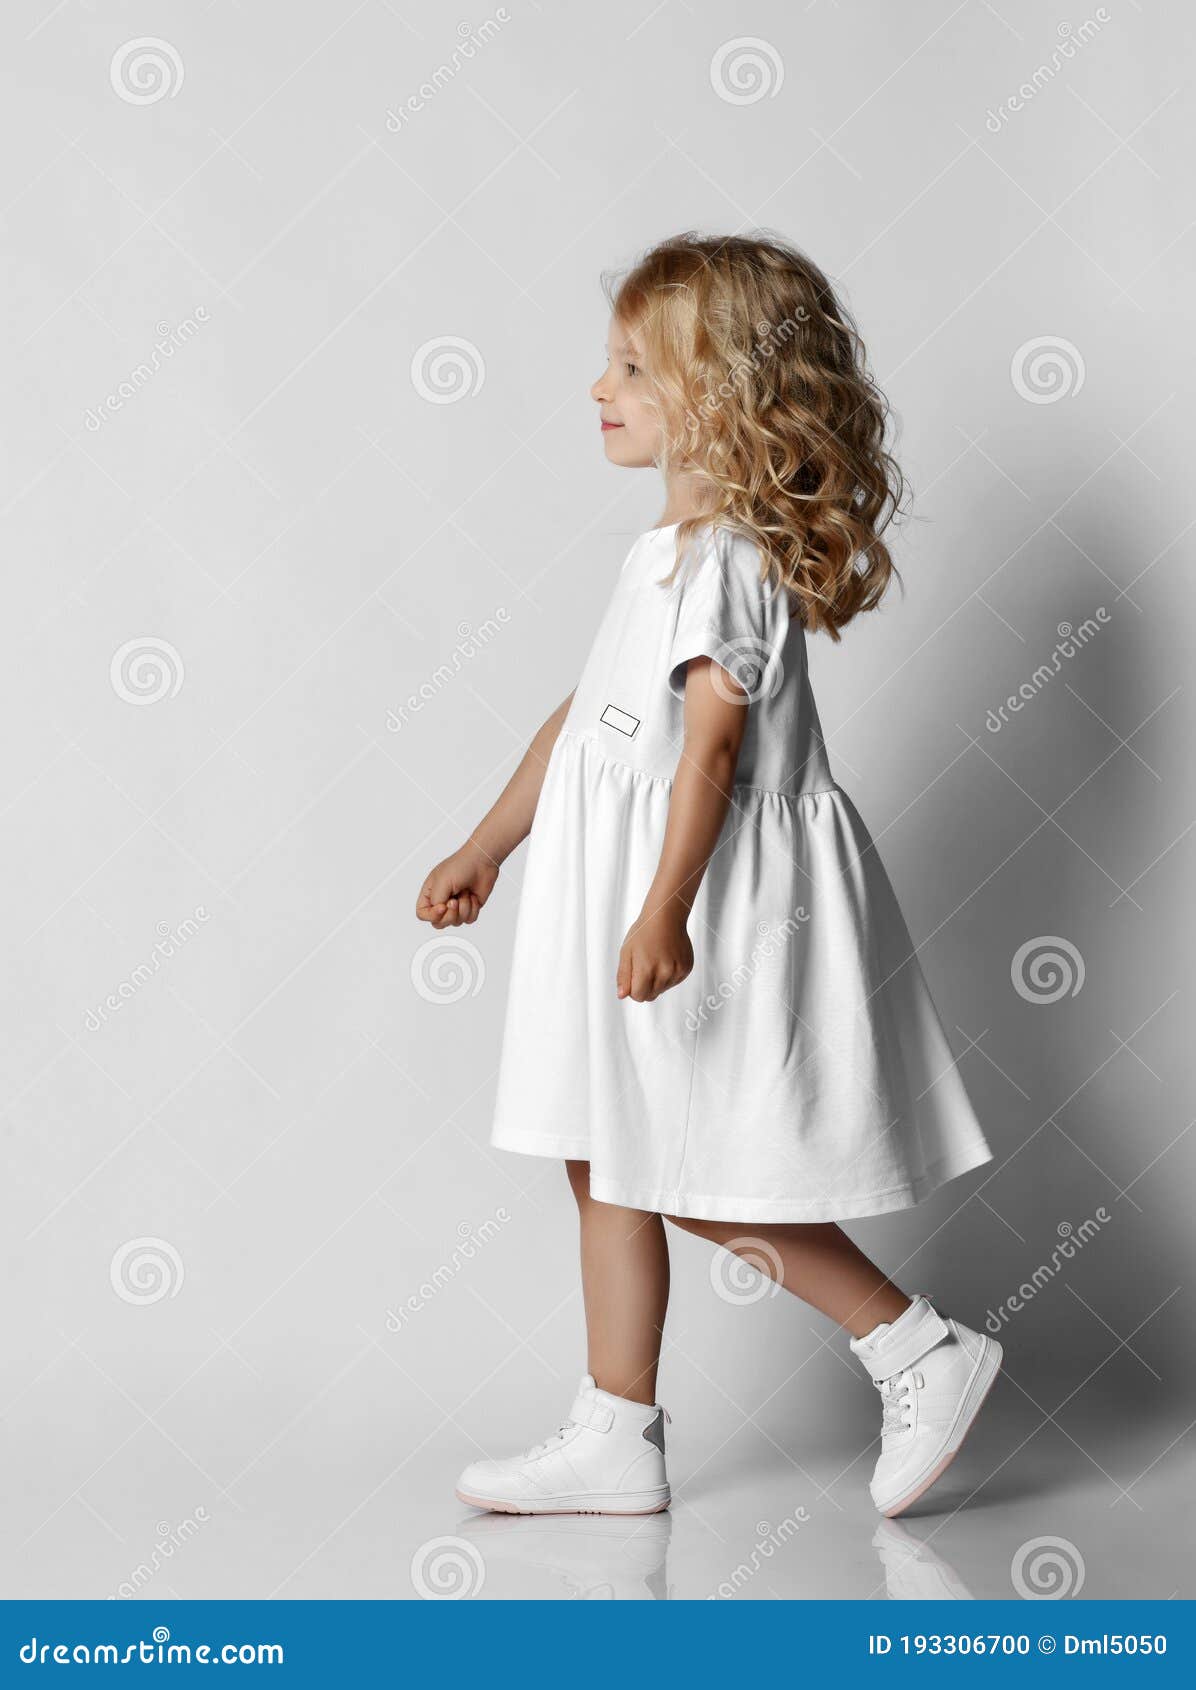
<point>557,1437</point>
<point>894,1397</point>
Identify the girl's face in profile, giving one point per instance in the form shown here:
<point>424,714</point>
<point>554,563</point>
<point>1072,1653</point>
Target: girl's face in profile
<point>630,417</point>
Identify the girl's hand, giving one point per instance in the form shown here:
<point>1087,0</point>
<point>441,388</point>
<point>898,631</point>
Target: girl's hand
<point>656,954</point>
<point>457,888</point>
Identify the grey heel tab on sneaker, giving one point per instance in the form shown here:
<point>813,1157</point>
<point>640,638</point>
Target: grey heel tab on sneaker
<point>654,1430</point>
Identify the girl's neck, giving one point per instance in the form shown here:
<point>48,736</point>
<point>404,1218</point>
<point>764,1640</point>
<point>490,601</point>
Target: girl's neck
<point>682,500</point>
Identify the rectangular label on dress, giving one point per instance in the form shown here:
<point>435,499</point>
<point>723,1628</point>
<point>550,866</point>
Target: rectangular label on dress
<point>616,718</point>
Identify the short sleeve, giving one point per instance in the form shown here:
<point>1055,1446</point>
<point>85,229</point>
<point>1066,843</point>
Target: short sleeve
<point>724,611</point>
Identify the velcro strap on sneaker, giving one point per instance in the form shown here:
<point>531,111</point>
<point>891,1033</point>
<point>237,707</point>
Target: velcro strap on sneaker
<point>921,1329</point>
<point>595,1415</point>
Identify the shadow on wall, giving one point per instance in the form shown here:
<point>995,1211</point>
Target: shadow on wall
<point>1060,1246</point>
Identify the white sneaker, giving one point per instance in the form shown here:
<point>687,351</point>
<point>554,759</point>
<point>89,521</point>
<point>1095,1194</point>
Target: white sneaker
<point>932,1374</point>
<point>607,1458</point>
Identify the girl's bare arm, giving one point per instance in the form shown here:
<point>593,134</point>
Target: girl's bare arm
<point>657,952</point>
<point>458,887</point>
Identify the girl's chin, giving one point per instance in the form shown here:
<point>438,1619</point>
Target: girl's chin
<point>617,453</point>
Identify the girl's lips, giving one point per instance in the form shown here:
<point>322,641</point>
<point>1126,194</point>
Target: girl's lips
<point>607,425</point>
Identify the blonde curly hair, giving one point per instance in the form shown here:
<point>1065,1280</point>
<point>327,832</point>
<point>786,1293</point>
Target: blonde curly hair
<point>767,401</point>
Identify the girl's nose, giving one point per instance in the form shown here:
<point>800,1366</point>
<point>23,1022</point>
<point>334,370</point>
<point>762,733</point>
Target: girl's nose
<point>600,392</point>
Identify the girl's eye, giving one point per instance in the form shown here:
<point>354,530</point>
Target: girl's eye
<point>632,369</point>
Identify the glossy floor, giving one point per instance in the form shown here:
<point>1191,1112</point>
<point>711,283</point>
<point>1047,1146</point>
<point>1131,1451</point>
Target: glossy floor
<point>1080,1501</point>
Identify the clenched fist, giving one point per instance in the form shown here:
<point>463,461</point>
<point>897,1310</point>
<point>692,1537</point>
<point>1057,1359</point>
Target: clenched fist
<point>456,889</point>
<point>656,954</point>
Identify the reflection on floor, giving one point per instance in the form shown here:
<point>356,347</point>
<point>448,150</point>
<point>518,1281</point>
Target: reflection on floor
<point>1087,1500</point>
<point>597,1559</point>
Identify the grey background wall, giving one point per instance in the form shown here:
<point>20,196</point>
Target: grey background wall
<point>297,431</point>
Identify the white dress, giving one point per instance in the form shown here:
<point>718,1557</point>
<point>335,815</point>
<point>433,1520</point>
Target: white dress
<point>801,1072</point>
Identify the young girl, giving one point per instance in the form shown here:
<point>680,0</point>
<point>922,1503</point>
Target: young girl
<point>716,1016</point>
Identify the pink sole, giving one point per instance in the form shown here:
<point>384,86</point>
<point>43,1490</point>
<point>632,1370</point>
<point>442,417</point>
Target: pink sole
<point>515,1508</point>
<point>908,1501</point>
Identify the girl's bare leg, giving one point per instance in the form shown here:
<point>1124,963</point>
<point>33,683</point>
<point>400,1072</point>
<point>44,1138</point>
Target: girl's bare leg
<point>625,1280</point>
<point>819,1264</point>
